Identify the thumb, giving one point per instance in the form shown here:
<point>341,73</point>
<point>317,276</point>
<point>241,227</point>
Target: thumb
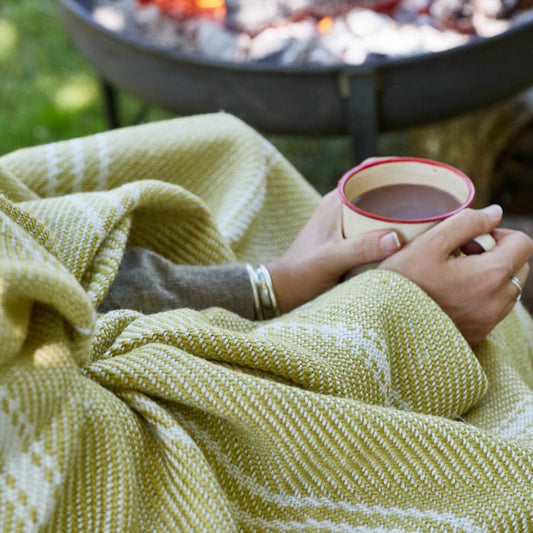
<point>367,248</point>
<point>461,228</point>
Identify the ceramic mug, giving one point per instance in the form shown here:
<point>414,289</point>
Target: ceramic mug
<point>374,174</point>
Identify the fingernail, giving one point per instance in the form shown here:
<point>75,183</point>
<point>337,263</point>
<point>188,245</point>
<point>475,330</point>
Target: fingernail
<point>390,242</point>
<point>494,211</point>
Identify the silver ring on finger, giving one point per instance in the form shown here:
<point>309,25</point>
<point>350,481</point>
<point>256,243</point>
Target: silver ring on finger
<point>516,282</point>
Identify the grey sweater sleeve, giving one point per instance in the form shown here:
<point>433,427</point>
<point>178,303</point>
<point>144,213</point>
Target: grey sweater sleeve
<point>149,283</point>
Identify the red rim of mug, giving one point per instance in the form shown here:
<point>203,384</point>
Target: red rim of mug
<point>384,160</point>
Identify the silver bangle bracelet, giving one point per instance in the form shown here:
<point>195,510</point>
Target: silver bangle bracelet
<point>265,303</point>
<point>255,293</point>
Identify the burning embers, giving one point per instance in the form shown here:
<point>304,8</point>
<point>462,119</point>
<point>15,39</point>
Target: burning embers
<point>310,32</point>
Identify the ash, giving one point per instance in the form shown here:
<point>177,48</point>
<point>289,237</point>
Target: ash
<point>354,37</point>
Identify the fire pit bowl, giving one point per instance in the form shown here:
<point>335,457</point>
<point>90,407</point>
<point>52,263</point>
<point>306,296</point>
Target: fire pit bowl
<point>357,100</point>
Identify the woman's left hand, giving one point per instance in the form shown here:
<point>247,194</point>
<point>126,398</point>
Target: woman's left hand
<point>320,256</point>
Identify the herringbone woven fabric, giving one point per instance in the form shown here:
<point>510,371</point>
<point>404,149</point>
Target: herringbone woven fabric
<point>364,410</point>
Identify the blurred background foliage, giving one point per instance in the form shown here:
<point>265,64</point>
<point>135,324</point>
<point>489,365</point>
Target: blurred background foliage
<point>49,92</point>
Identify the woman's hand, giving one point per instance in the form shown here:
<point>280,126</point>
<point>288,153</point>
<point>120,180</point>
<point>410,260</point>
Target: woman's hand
<point>475,290</point>
<point>320,256</point>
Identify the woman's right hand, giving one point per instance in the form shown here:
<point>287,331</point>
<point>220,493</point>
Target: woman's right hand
<point>475,291</point>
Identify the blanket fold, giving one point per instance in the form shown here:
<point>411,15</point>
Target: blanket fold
<point>363,410</point>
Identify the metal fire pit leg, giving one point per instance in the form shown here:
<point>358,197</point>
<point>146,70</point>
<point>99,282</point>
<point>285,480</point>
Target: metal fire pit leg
<point>110,103</point>
<point>110,95</point>
<point>362,114</point>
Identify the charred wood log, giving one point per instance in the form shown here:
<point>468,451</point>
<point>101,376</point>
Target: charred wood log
<point>502,8</point>
<point>458,14</point>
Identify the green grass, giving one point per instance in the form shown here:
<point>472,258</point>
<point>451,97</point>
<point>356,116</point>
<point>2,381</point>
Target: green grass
<point>39,69</point>
<point>49,92</point>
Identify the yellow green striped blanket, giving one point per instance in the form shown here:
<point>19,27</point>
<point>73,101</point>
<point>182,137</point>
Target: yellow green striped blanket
<point>364,410</point>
